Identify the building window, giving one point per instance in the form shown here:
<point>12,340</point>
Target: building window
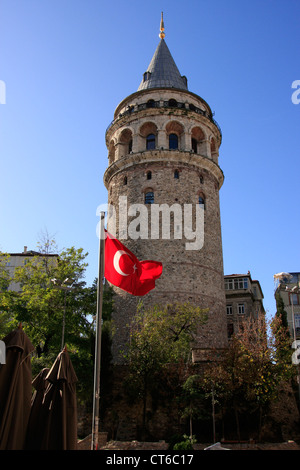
<point>149,197</point>
<point>241,309</point>
<point>230,330</point>
<point>149,175</point>
<point>130,146</point>
<point>294,299</point>
<point>150,142</point>
<point>176,174</point>
<point>173,141</point>
<point>297,323</point>
<point>236,283</point>
<point>229,309</point>
<point>201,179</point>
<point>125,180</point>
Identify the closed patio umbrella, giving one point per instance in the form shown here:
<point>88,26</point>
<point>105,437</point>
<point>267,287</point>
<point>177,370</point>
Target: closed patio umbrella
<point>60,406</point>
<point>38,412</point>
<point>15,390</point>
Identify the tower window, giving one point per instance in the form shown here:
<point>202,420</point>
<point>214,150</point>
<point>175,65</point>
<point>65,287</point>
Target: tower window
<point>194,145</point>
<point>149,197</point>
<point>201,200</point>
<point>176,174</point>
<point>149,175</point>
<point>172,103</point>
<point>150,104</point>
<point>173,141</point>
<point>150,142</point>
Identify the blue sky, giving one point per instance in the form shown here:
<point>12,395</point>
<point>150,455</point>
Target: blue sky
<point>66,65</point>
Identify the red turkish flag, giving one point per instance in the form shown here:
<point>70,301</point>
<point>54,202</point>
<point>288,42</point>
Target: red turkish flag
<point>124,270</point>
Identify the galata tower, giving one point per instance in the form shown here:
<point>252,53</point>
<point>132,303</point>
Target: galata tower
<point>163,150</point>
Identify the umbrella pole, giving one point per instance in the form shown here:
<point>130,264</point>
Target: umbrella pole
<point>96,397</point>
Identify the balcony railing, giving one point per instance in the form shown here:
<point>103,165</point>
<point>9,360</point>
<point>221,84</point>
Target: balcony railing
<point>172,104</point>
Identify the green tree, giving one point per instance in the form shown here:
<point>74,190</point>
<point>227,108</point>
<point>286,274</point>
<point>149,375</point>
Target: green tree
<point>159,336</point>
<point>4,293</point>
<point>41,308</point>
<point>193,397</point>
<point>253,368</point>
<point>280,311</point>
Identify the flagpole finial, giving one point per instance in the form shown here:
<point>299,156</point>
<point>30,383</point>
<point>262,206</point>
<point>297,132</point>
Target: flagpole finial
<point>162,27</point>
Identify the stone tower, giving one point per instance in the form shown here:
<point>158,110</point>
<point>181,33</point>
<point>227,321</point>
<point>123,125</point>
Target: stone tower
<point>163,148</point>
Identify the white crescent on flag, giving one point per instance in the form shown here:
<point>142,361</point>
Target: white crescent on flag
<point>131,275</point>
<point>116,261</point>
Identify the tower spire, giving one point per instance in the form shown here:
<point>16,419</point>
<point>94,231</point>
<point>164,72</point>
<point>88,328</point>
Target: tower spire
<point>162,71</point>
<point>162,27</point>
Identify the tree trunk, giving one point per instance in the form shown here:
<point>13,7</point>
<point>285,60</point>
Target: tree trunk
<point>237,421</point>
<point>144,410</point>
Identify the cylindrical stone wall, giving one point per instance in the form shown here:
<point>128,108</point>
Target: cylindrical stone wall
<point>178,177</point>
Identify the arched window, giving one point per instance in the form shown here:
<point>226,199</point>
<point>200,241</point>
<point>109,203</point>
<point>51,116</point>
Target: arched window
<point>149,175</point>
<point>150,142</point>
<point>194,145</point>
<point>173,141</point>
<point>172,103</point>
<point>176,174</point>
<point>202,200</point>
<point>149,197</point>
<point>150,104</point>
<point>125,142</point>
<point>198,140</point>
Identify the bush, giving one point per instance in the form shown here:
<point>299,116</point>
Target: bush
<point>187,444</point>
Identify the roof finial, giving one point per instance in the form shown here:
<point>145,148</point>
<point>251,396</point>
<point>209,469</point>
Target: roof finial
<point>162,27</point>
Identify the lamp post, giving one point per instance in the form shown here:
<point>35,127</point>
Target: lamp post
<point>66,285</point>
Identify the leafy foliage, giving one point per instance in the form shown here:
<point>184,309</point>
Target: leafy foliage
<point>41,307</point>
<point>159,336</point>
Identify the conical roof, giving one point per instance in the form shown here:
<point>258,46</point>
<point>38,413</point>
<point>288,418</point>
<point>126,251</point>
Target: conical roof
<point>162,71</point>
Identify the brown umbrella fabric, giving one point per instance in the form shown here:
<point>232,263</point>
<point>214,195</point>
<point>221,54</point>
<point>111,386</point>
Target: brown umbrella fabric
<point>15,390</point>
<point>59,406</point>
<point>38,412</point>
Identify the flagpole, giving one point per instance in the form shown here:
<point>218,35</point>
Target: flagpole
<point>96,397</point>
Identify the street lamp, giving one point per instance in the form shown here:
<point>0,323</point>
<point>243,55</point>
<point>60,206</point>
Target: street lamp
<point>66,285</point>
